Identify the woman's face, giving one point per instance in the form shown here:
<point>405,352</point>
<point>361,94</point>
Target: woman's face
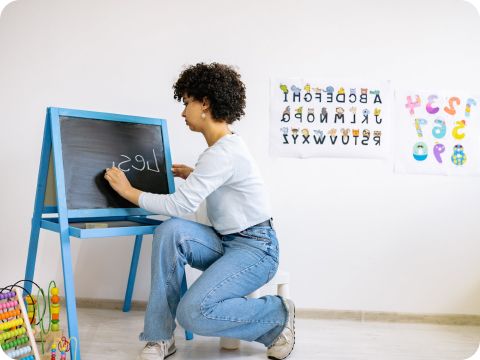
<point>193,113</point>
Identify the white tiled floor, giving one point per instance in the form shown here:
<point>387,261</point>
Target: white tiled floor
<point>112,334</point>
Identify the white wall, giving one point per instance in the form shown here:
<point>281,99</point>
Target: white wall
<point>353,234</point>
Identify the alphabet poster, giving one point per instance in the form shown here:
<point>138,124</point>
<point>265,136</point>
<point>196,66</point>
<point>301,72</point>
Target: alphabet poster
<point>436,133</point>
<point>317,117</point>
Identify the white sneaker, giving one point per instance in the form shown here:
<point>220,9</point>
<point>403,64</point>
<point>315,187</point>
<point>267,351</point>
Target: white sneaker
<point>158,350</point>
<point>283,346</point>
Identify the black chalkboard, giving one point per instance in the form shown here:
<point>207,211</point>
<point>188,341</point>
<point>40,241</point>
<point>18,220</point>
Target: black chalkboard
<point>89,146</point>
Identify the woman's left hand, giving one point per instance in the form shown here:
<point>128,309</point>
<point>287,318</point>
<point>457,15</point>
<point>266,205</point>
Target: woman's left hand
<point>117,180</point>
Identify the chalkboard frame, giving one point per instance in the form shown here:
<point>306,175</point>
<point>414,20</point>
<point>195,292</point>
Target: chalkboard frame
<point>54,115</point>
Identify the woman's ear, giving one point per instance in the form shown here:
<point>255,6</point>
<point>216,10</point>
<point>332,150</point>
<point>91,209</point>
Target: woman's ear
<point>205,104</point>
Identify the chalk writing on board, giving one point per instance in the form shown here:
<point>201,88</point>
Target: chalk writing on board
<point>139,159</point>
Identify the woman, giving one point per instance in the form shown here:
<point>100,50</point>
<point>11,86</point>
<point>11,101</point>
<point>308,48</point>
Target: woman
<point>237,255</point>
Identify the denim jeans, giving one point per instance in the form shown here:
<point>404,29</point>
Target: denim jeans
<point>215,304</point>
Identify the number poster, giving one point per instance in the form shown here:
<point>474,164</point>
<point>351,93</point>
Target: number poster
<point>436,133</point>
<point>310,117</point>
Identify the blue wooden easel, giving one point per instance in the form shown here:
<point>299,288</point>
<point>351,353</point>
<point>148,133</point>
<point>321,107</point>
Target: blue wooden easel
<point>51,199</point>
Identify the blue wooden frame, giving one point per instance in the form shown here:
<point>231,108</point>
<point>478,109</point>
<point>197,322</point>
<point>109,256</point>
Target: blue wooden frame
<point>61,224</point>
<point>55,114</point>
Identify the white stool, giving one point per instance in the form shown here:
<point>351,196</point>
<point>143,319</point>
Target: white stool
<point>281,280</point>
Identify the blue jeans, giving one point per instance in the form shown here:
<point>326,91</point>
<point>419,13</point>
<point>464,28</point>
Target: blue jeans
<point>233,266</point>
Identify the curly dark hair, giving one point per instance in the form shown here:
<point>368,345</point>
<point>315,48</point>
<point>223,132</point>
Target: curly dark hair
<point>219,83</point>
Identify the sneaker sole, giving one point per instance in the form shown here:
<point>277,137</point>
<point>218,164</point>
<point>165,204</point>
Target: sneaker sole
<point>167,355</point>
<point>275,358</point>
<point>174,351</point>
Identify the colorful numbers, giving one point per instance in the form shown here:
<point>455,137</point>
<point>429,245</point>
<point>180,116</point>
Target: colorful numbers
<point>453,102</point>
<point>451,109</point>
<point>430,118</point>
<point>458,157</point>
<point>420,151</point>
<point>440,129</point>
<point>412,105</point>
<point>438,150</point>
<point>418,126</point>
<point>430,108</point>
<point>470,103</point>
<point>459,126</point>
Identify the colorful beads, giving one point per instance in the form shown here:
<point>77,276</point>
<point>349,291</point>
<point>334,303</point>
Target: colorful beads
<point>63,347</point>
<point>15,340</point>
<point>19,352</point>
<point>9,314</point>
<point>54,309</point>
<point>31,302</point>
<point>10,324</point>
<point>14,343</point>
<point>29,357</point>
<point>9,334</point>
<point>53,351</point>
<point>8,295</point>
<point>8,305</point>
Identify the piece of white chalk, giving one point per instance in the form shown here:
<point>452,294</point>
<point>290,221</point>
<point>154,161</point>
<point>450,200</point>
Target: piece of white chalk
<point>96,225</point>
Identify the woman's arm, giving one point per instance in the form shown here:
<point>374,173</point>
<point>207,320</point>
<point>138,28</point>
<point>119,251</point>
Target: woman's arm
<point>212,170</point>
<point>119,182</point>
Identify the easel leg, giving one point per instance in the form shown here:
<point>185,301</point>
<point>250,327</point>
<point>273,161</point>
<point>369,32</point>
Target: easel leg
<point>32,254</point>
<point>133,273</point>
<point>70,292</point>
<point>38,207</point>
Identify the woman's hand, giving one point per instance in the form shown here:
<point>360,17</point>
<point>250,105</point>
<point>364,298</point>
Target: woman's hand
<point>181,170</point>
<point>119,182</point>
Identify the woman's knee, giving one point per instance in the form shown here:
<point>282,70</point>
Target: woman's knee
<point>168,232</point>
<point>188,313</point>
<point>169,226</point>
<point>190,316</point>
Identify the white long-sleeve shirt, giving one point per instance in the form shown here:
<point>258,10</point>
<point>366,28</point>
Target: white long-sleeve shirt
<point>227,177</point>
